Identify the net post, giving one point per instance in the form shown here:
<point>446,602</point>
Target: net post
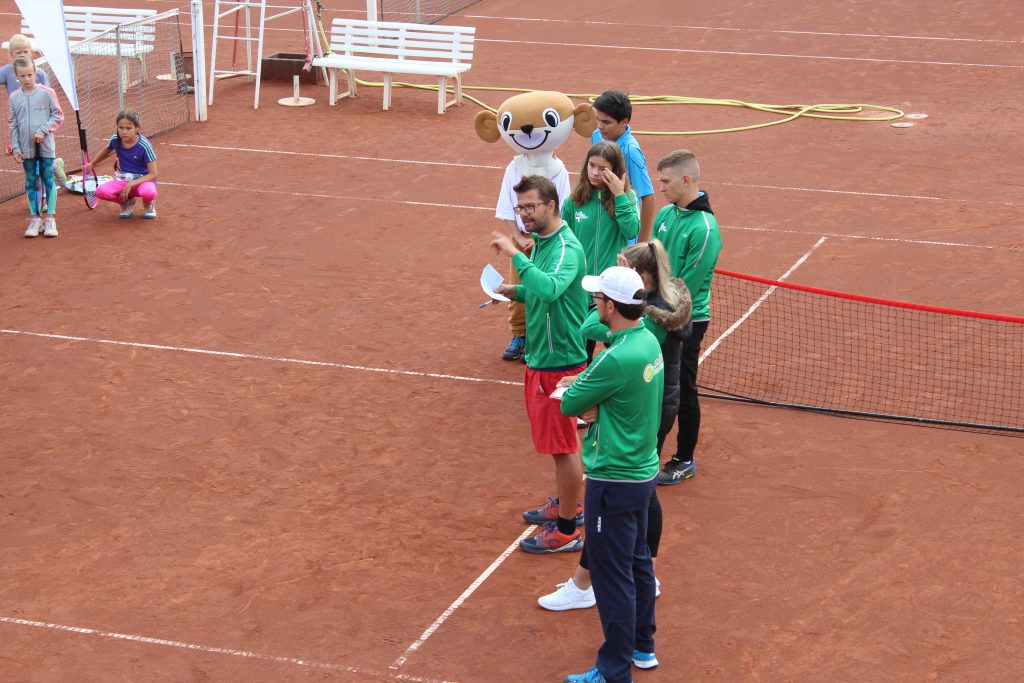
<point>198,60</point>
<point>121,76</point>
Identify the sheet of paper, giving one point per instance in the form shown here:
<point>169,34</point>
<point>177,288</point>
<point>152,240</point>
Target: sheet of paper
<point>557,393</point>
<point>489,279</point>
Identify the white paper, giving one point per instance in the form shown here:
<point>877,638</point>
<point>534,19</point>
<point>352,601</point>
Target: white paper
<point>489,279</point>
<point>558,393</point>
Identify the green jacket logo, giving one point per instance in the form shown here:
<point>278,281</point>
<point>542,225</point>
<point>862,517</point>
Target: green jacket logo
<point>581,215</point>
<point>653,369</point>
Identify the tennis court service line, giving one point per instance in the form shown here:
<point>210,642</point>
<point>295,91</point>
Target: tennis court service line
<point>461,599</point>
<point>455,164</point>
<point>686,27</point>
<point>738,53</point>
<point>757,304</point>
<point>410,202</point>
<point>147,640</point>
<point>253,356</point>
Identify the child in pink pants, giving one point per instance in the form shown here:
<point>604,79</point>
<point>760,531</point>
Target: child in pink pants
<point>135,173</point>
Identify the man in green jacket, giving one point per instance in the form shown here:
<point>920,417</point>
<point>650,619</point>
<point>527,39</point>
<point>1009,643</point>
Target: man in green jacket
<point>555,308</point>
<point>625,383</point>
<point>689,231</point>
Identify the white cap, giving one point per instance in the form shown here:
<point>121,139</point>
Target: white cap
<point>617,282</point>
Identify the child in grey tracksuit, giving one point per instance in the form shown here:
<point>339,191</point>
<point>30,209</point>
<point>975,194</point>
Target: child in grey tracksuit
<point>35,115</point>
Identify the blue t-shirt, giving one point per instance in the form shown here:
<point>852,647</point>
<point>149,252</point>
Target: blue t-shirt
<point>636,164</point>
<point>11,81</point>
<point>133,160</point>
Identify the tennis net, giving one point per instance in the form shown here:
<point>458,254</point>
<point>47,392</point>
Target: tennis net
<point>421,11</point>
<point>788,345</point>
<point>140,65</point>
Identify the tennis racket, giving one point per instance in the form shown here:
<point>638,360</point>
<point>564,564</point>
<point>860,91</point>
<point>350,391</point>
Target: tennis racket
<point>40,187</point>
<point>89,180</point>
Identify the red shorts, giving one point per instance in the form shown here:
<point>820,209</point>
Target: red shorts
<point>553,433</point>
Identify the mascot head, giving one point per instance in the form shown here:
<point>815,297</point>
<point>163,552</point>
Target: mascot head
<point>536,122</point>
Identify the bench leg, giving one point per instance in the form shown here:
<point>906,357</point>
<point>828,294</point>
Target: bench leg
<point>387,91</point>
<point>442,93</point>
<point>351,82</point>
<point>332,80</point>
<point>458,90</point>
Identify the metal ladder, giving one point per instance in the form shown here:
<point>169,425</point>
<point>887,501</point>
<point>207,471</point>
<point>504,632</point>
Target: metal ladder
<point>245,8</point>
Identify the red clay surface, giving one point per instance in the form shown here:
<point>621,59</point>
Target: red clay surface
<point>331,515</point>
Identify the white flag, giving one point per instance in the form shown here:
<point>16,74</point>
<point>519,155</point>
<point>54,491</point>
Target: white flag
<point>46,19</point>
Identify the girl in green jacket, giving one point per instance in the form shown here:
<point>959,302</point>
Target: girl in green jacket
<point>602,209</point>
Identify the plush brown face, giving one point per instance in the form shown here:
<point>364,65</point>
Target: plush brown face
<point>535,121</point>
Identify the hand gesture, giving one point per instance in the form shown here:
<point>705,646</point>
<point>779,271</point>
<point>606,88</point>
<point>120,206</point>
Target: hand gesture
<point>614,183</point>
<point>19,157</point>
<point>507,291</point>
<point>125,191</point>
<point>37,138</point>
<point>502,244</point>
<point>621,260</point>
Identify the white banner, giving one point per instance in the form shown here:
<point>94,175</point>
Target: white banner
<point>46,18</point>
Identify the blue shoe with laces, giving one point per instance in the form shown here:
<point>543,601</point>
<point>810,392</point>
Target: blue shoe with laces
<point>644,660</point>
<point>591,676</point>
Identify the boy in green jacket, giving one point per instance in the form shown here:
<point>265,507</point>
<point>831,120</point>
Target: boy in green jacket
<point>689,231</point>
<point>625,383</point>
<point>555,308</point>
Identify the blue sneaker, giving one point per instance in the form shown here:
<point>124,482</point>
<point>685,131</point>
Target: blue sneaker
<point>644,660</point>
<point>591,676</point>
<point>516,348</point>
<point>551,540</point>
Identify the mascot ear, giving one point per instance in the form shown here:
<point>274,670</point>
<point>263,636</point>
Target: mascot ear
<point>584,122</point>
<point>486,124</point>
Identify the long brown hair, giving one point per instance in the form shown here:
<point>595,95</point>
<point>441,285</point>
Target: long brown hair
<point>583,191</point>
<point>651,258</point>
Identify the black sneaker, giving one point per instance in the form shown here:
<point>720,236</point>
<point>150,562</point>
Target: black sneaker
<point>675,471</point>
<point>516,348</point>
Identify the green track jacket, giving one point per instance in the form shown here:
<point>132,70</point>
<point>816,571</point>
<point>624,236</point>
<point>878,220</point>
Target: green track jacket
<point>602,236</point>
<point>692,240</point>
<point>555,301</point>
<point>626,382</point>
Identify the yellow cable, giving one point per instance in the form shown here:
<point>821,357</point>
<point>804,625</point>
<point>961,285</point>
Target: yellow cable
<point>786,112</point>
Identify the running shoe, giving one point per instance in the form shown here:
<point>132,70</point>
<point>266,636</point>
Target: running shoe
<point>128,208</point>
<point>644,660</point>
<point>150,210</point>
<point>591,676</point>
<point>516,348</point>
<point>551,540</point>
<point>49,227</point>
<point>548,512</point>
<point>568,596</point>
<point>34,223</point>
<point>675,471</point>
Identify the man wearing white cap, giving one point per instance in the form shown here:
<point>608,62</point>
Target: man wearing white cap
<point>625,383</point>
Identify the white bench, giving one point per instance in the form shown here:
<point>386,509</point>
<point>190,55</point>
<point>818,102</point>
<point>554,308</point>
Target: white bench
<point>393,48</point>
<point>88,29</point>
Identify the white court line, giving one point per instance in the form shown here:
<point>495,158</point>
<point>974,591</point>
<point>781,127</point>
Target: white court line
<point>454,164</point>
<point>738,53</point>
<point>757,304</point>
<point>252,356</point>
<point>548,20</point>
<point>214,650</point>
<point>491,209</point>
<point>461,599</point>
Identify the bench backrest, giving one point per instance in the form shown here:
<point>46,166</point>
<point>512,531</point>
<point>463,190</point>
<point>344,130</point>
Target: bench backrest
<point>391,40</point>
<point>86,22</point>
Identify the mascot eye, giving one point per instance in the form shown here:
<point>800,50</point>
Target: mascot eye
<point>506,121</point>
<point>552,118</point>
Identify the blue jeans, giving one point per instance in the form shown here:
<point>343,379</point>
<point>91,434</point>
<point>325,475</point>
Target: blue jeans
<point>46,174</point>
<point>621,571</point>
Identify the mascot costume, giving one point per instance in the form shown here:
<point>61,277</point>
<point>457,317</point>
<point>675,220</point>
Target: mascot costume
<point>534,125</point>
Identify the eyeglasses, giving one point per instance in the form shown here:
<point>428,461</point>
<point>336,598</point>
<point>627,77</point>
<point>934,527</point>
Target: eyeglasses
<point>527,209</point>
<point>599,297</point>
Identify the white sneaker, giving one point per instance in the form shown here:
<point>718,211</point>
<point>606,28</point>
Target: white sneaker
<point>34,224</point>
<point>657,587</point>
<point>568,596</point>
<point>128,208</point>
<point>150,210</point>
<point>49,227</point>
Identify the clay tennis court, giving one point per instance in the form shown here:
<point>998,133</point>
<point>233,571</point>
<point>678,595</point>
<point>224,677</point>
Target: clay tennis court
<point>269,437</point>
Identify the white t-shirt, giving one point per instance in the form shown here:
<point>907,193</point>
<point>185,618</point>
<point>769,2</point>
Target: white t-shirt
<point>508,198</point>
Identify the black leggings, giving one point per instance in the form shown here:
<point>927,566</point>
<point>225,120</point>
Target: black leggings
<point>653,530</point>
